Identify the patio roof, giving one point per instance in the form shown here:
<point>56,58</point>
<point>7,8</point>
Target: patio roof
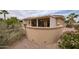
<point>47,16</point>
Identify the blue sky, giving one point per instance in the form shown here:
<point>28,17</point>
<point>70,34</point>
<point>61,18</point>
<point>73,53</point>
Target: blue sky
<point>27,13</point>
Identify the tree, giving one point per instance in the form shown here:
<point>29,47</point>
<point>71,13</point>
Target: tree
<point>71,18</point>
<point>12,21</point>
<point>4,12</point>
<point>0,12</point>
<point>77,21</point>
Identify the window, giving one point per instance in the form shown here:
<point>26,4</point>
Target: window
<point>48,23</point>
<point>33,22</point>
<point>40,23</point>
<point>44,22</point>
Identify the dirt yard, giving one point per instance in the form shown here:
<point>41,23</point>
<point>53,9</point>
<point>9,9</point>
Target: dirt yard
<point>26,44</point>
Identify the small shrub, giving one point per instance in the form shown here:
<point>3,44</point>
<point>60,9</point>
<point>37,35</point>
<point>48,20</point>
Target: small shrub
<point>76,27</point>
<point>10,35</point>
<point>7,37</point>
<point>69,26</point>
<point>69,41</point>
<point>10,31</point>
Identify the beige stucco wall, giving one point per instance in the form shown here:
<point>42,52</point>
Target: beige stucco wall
<point>52,22</point>
<point>60,22</point>
<point>44,35</point>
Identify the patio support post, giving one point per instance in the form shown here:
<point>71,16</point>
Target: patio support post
<point>37,22</point>
<point>30,22</point>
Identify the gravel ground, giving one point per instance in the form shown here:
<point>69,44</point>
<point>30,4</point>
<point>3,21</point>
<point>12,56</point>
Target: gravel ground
<point>26,44</point>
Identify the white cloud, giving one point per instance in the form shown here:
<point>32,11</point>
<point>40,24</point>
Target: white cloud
<point>27,13</point>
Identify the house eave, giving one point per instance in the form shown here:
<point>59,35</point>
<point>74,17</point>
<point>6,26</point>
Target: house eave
<point>48,16</point>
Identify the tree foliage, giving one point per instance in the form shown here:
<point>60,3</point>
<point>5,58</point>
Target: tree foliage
<point>4,12</point>
<point>71,19</point>
<point>12,21</point>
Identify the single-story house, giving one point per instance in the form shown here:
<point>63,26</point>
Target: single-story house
<point>44,29</point>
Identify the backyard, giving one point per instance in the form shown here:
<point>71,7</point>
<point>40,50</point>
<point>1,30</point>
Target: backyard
<point>64,41</point>
<point>13,36</point>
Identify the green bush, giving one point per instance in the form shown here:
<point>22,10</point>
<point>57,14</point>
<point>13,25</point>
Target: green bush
<point>10,31</point>
<point>69,25</point>
<point>69,40</point>
<point>76,27</point>
<point>7,37</point>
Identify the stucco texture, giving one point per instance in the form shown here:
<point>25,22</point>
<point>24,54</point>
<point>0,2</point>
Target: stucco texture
<point>44,35</point>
